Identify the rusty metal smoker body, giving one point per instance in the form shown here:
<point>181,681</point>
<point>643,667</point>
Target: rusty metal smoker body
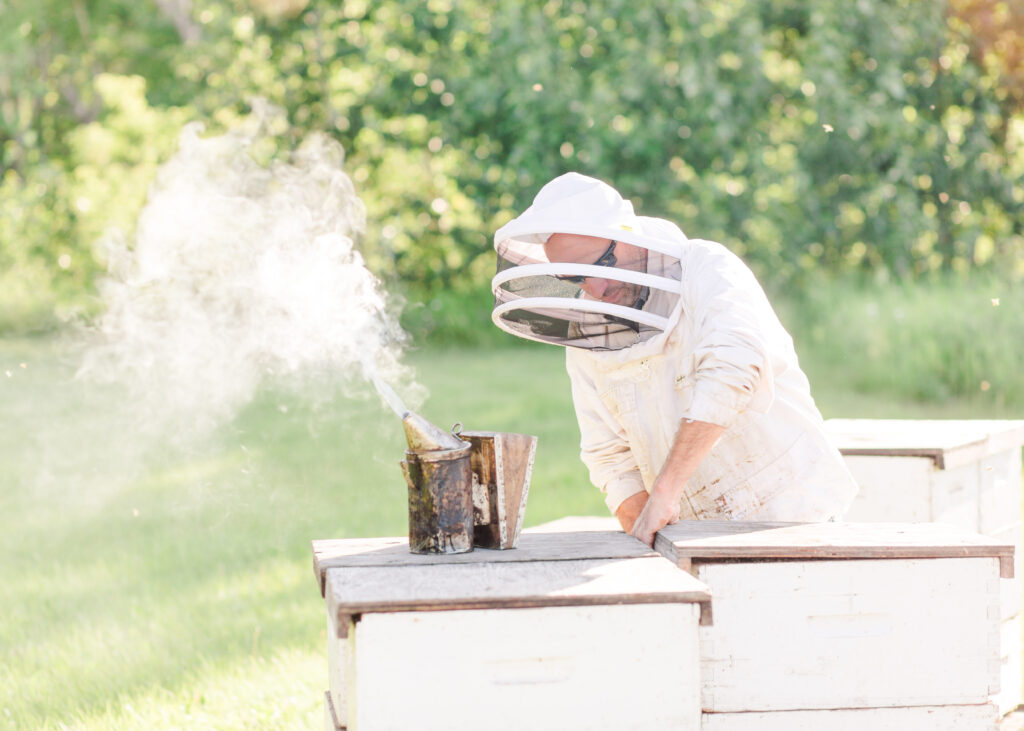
<point>465,488</point>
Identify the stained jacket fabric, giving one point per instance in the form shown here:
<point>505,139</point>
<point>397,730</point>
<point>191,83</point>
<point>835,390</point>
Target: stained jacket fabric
<point>726,360</point>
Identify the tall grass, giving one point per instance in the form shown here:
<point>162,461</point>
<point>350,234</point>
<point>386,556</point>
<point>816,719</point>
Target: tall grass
<point>949,340</point>
<point>932,342</point>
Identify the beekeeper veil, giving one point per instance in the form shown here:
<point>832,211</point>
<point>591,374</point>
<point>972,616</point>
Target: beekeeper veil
<point>580,268</point>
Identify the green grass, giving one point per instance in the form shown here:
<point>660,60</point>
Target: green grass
<point>954,343</point>
<point>151,586</point>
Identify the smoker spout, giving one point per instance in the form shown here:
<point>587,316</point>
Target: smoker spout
<point>423,436</point>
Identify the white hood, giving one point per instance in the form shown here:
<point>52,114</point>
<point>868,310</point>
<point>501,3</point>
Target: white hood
<point>532,302</point>
<point>578,204</point>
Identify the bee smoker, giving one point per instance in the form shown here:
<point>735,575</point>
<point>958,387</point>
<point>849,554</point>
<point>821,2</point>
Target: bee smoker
<point>466,489</point>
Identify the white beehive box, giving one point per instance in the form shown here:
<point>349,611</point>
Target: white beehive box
<point>961,472</point>
<point>542,637</point>
<point>899,620</point>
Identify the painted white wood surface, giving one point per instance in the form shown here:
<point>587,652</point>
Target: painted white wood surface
<point>377,581</point>
<point>422,589</point>
<point>983,496</point>
<point>1011,676</point>
<point>800,635</point>
<point>954,496</point>
<point>594,667</point>
<point>912,489</point>
<point>337,667</point>
<point>926,718</point>
<point>1012,590</point>
<point>999,501</point>
<point>891,488</point>
<point>976,473</point>
<point>974,483</point>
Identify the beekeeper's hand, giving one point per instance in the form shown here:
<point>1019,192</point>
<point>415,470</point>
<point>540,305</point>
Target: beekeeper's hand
<point>658,512</point>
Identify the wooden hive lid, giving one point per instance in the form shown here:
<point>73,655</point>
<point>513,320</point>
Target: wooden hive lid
<point>949,442</point>
<point>547,569</point>
<point>357,590</point>
<point>533,547</point>
<point>691,541</point>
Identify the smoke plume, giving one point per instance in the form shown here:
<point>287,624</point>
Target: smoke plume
<point>239,272</point>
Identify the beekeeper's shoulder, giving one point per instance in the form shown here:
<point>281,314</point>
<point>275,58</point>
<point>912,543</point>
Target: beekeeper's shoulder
<point>703,256</point>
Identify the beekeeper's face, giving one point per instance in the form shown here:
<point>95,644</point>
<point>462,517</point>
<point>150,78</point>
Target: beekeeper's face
<point>603,252</point>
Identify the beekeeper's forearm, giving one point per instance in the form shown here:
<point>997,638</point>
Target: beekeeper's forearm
<point>692,443</point>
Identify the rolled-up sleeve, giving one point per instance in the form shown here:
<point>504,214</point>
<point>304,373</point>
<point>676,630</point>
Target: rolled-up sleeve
<point>732,365</point>
<point>603,446</point>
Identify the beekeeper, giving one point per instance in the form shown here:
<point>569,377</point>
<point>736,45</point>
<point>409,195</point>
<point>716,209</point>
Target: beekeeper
<point>689,397</point>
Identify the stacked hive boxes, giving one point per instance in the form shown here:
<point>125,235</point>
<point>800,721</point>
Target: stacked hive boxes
<point>811,626</point>
<point>965,473</point>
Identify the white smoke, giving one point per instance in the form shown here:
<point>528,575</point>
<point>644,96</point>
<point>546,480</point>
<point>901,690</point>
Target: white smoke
<point>239,272</point>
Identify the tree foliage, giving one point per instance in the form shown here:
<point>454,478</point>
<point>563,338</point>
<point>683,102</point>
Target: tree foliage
<point>874,136</point>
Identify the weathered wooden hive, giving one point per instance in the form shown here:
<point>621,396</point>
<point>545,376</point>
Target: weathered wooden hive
<point>829,626</point>
<point>562,633</point>
<point>965,473</point>
<point>845,625</point>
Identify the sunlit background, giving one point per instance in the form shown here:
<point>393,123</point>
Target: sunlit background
<point>217,219</point>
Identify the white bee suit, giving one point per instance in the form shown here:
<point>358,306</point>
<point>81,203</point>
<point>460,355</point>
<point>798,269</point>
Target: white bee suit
<point>717,353</point>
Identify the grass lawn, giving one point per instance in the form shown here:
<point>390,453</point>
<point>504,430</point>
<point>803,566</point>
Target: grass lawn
<point>156,586</point>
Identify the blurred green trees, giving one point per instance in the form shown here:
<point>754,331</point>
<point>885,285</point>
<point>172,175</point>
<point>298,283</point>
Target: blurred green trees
<point>882,136</point>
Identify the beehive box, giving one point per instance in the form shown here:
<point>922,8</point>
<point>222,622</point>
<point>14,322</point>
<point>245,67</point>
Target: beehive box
<point>960,472</point>
<point>899,622</point>
<point>543,637</point>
